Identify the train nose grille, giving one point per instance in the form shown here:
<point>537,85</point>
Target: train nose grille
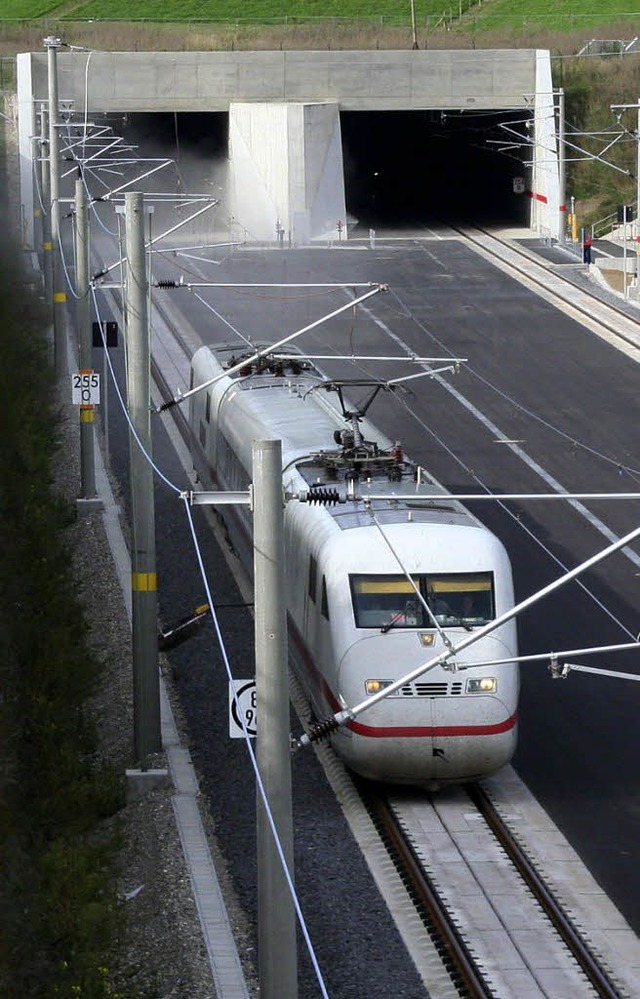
<point>425,689</point>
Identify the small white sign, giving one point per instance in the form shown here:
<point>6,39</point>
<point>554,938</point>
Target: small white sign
<point>85,388</point>
<point>518,185</point>
<point>242,706</point>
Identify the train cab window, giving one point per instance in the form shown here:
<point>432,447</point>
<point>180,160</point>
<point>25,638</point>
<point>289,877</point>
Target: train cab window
<point>380,600</point>
<point>313,578</point>
<point>324,603</point>
<point>455,600</point>
<point>461,599</point>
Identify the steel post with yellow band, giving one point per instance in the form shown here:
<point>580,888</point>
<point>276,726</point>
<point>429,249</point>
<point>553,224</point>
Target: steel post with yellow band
<point>45,187</point>
<point>146,679</point>
<point>59,296</point>
<point>85,340</point>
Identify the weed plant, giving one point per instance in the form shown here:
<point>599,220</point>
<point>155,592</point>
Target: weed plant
<point>58,910</point>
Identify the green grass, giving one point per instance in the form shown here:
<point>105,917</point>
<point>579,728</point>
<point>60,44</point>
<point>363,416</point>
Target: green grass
<point>10,9</point>
<point>566,16</point>
<point>177,11</point>
<point>513,16</point>
<point>569,15</point>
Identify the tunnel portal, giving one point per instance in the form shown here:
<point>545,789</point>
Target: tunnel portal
<point>429,167</point>
<point>401,168</point>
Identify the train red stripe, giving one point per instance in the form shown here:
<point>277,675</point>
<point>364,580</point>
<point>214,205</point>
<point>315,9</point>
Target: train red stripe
<point>417,732</point>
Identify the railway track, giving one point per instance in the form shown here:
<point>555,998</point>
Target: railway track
<point>614,323</point>
<point>546,954</point>
<point>499,927</point>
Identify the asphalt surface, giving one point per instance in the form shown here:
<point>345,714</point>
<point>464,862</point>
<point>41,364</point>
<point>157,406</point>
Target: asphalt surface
<point>541,379</point>
<point>355,941</point>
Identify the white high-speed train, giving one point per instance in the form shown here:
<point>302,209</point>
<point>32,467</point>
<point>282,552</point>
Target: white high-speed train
<point>357,622</point>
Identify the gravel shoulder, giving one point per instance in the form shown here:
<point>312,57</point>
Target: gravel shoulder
<point>162,952</point>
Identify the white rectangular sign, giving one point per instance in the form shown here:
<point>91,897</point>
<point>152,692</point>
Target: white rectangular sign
<point>85,388</point>
<point>244,705</point>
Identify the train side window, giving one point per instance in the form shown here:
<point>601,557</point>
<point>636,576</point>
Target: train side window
<point>324,604</point>
<point>313,578</point>
<point>207,414</point>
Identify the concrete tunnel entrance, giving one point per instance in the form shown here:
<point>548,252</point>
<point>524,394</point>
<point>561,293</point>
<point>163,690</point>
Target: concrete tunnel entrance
<point>284,118</point>
<point>401,168</point>
<point>429,167</point>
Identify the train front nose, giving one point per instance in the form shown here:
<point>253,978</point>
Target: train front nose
<point>444,725</point>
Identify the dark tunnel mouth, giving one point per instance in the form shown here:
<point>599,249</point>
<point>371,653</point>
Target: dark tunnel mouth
<point>431,167</point>
<point>401,168</point>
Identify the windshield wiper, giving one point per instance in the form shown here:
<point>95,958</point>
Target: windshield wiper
<point>391,624</point>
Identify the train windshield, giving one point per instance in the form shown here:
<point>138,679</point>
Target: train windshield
<point>454,599</point>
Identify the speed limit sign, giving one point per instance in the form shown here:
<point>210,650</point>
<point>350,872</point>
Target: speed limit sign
<point>242,706</point>
<point>85,388</point>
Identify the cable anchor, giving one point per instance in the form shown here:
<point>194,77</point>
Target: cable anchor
<point>558,670</point>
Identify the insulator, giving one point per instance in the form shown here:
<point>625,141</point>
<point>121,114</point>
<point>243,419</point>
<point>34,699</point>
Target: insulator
<point>166,283</point>
<point>322,729</point>
<point>324,496</point>
<point>167,405</point>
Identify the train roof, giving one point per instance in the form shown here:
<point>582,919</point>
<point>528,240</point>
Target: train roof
<point>295,403</point>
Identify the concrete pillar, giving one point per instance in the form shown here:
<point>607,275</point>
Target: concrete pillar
<point>286,176</point>
<point>26,131</point>
<point>545,188</point>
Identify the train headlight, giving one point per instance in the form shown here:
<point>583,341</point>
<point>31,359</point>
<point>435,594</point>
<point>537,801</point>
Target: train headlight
<point>375,686</point>
<point>482,685</point>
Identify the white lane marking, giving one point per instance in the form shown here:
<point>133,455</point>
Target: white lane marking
<point>546,477</point>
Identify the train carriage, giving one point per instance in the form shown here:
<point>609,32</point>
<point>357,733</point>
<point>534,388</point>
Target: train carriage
<point>373,589</point>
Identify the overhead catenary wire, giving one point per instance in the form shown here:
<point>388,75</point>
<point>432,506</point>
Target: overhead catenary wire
<point>598,524</point>
<point>162,235</point>
<point>408,312</point>
<point>431,616</point>
<point>223,320</point>
<point>346,715</point>
<point>553,658</point>
<point>223,651</point>
<point>254,762</point>
<point>274,346</point>
<point>267,809</point>
<point>123,406</point>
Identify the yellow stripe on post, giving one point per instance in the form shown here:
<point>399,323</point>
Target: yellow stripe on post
<point>86,414</point>
<point>59,296</point>
<point>47,246</point>
<point>144,582</point>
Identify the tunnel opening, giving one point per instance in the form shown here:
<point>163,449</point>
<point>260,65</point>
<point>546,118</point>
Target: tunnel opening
<point>402,169</point>
<point>197,142</point>
<point>433,167</point>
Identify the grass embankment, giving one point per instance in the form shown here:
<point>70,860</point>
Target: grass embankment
<point>491,15</point>
<point>591,84</point>
<point>591,87</point>
<point>58,909</point>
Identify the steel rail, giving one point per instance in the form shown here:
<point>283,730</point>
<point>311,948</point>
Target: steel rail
<point>590,965</point>
<point>530,275</point>
<point>458,958</point>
